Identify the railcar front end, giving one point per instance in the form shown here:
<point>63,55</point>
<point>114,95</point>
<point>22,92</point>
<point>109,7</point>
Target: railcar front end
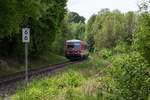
<point>76,49</point>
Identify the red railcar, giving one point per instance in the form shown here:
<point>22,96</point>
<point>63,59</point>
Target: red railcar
<point>76,49</point>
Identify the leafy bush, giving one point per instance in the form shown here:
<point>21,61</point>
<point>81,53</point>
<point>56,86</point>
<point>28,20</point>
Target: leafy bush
<point>130,77</point>
<point>143,37</point>
<point>122,47</point>
<point>105,53</point>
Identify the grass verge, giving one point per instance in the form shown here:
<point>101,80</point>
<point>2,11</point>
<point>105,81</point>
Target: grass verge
<point>35,62</point>
<point>81,82</point>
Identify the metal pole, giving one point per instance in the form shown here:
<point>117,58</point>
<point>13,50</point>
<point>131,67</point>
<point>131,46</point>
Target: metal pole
<point>26,62</point>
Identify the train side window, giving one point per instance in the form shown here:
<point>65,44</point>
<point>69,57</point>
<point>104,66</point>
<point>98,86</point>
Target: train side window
<point>83,47</point>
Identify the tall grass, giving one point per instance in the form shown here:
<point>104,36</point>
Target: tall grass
<point>49,87</point>
<point>76,84</point>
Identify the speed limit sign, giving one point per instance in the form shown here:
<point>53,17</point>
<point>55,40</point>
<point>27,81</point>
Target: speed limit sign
<point>25,35</point>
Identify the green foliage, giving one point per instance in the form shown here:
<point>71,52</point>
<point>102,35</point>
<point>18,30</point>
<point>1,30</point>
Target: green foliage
<point>75,17</point>
<point>64,34</point>
<point>105,53</point>
<point>78,30</point>
<point>122,47</point>
<point>112,28</point>
<point>49,87</point>
<point>34,62</point>
<point>13,14</point>
<point>72,85</point>
<point>90,68</point>
<point>132,22</point>
<point>130,77</point>
<point>42,17</point>
<point>89,33</point>
<point>106,28</point>
<point>143,37</point>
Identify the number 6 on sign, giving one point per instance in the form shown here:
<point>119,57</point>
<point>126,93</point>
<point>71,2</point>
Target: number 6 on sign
<point>25,35</point>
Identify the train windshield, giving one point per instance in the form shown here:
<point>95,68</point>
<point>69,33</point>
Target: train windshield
<point>73,46</point>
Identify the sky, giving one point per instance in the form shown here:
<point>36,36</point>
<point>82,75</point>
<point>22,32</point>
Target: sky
<point>87,8</point>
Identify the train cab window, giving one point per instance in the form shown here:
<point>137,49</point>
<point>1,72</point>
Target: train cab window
<point>73,46</point>
<point>70,47</point>
<point>77,47</point>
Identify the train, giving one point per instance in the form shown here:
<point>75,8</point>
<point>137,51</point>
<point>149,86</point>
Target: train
<point>76,49</point>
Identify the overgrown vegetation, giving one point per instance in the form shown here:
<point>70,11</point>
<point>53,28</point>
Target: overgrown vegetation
<point>48,88</point>
<point>72,85</point>
<point>105,29</point>
<point>130,77</point>
<point>35,62</point>
<point>42,17</point>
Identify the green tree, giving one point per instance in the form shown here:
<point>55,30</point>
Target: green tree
<point>111,28</point>
<point>42,17</point>
<point>105,29</point>
<point>78,30</point>
<point>13,13</point>
<point>64,34</point>
<point>75,17</point>
<point>89,33</point>
<point>131,23</point>
<point>142,38</point>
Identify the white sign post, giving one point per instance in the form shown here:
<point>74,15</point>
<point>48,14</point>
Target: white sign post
<point>26,40</point>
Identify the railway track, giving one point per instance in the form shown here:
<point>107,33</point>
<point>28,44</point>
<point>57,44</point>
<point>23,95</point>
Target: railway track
<point>5,80</point>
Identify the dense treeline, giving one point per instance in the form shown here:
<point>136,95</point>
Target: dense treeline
<point>105,29</point>
<point>75,17</point>
<point>42,17</point>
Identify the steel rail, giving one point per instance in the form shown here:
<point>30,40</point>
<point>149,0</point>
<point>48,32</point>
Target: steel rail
<point>5,80</point>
